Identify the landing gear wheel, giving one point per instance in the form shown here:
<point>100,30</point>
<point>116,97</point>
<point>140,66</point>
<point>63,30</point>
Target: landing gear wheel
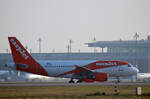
<point>79,81</point>
<point>71,81</point>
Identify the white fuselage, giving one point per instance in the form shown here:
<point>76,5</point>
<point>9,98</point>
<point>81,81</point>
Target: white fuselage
<point>55,68</point>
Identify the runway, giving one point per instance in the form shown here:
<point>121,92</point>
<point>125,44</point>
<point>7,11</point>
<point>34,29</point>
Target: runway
<point>66,84</point>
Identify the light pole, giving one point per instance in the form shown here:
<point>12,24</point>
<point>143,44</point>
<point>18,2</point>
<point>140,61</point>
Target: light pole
<point>70,42</point>
<point>94,39</point>
<point>68,48</point>
<point>40,41</point>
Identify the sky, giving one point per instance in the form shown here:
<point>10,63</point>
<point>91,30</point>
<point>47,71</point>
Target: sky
<point>58,21</point>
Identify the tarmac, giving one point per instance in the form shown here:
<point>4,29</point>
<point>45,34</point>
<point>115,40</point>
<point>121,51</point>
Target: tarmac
<point>36,84</point>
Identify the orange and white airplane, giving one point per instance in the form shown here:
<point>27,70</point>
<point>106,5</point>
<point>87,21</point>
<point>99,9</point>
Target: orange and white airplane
<point>83,70</point>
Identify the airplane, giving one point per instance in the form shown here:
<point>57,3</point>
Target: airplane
<point>82,70</point>
<point>143,77</point>
<point>8,75</point>
<point>4,75</point>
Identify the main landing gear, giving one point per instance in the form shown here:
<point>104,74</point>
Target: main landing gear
<point>79,81</point>
<point>71,81</point>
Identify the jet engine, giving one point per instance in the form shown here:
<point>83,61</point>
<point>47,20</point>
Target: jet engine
<point>100,77</point>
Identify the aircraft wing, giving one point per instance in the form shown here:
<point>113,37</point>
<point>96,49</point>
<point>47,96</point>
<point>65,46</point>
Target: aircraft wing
<point>87,75</point>
<point>77,70</point>
<point>80,72</point>
<point>82,69</point>
<point>83,72</point>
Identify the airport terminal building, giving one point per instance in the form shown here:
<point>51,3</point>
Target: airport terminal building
<point>137,52</point>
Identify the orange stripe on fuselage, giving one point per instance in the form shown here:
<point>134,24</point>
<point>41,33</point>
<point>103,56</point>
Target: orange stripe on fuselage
<point>97,65</point>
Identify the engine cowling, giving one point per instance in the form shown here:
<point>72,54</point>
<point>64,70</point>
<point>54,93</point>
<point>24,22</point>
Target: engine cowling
<point>88,80</point>
<point>100,77</point>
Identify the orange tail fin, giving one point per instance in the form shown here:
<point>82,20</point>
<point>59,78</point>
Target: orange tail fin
<point>23,60</point>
